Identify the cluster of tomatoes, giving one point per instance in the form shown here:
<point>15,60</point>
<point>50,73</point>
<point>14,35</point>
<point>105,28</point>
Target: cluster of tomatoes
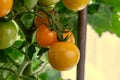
<point>63,54</point>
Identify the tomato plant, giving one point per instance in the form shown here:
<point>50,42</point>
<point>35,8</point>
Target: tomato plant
<point>8,34</point>
<point>5,7</point>
<point>41,28</point>
<point>63,55</point>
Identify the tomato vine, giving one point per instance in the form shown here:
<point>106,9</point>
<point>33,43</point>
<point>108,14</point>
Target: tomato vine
<point>25,58</point>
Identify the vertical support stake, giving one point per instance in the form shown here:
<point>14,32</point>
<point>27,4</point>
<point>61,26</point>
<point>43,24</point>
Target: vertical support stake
<point>82,23</point>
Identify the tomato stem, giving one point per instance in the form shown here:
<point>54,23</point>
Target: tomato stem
<point>26,77</point>
<point>8,69</point>
<point>21,69</point>
<point>39,69</point>
<point>12,60</point>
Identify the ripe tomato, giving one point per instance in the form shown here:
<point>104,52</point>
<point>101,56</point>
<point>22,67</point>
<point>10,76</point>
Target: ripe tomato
<point>43,19</point>
<point>45,37</point>
<point>8,34</point>
<point>48,2</point>
<point>63,55</point>
<point>5,7</point>
<point>75,5</point>
<point>71,38</point>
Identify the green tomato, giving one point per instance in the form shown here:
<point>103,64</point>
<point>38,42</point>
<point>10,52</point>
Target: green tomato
<point>48,2</point>
<point>8,33</point>
<point>30,3</point>
<point>20,5</point>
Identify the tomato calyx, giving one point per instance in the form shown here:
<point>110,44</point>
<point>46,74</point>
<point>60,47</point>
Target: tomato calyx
<point>66,36</point>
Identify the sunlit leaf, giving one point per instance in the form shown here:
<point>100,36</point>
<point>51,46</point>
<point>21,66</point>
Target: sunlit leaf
<point>115,3</point>
<point>116,24</point>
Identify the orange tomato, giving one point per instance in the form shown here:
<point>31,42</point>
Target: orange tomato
<point>45,37</point>
<point>43,19</point>
<point>5,7</point>
<point>70,35</point>
<point>75,5</point>
<point>63,55</point>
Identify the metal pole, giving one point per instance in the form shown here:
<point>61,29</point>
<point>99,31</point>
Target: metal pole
<point>82,23</point>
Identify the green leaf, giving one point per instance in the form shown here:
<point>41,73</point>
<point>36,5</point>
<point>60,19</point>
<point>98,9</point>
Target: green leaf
<point>18,43</point>
<point>19,6</point>
<point>25,43</point>
<point>43,76</point>
<point>31,51</point>
<point>53,75</point>
<point>115,3</point>
<point>61,8</point>
<point>3,57</point>
<point>102,20</point>
<point>116,24</point>
<point>14,55</point>
<point>21,34</point>
<point>93,8</point>
<point>50,75</point>
<point>42,51</point>
<point>73,25</point>
<point>11,54</point>
<point>27,19</point>
<point>36,63</point>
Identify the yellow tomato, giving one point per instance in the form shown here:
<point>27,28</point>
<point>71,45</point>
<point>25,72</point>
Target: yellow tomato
<point>5,7</point>
<point>75,5</point>
<point>63,55</point>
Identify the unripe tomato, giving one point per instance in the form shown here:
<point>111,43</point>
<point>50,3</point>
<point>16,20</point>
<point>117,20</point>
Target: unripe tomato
<point>30,3</point>
<point>45,37</point>
<point>5,7</point>
<point>63,55</point>
<point>48,2</point>
<point>75,5</point>
<point>8,34</point>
